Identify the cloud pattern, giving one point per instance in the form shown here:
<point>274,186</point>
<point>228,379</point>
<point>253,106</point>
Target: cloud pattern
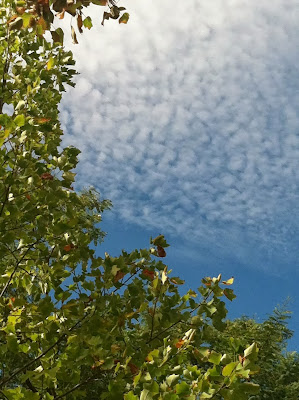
<point>188,121</point>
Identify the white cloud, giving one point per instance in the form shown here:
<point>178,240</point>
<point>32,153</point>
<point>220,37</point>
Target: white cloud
<point>188,120</point>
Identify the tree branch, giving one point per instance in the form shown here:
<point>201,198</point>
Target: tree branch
<point>74,388</point>
<point>59,340</point>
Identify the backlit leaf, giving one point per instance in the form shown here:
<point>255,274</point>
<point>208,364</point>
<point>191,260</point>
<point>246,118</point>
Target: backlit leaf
<point>74,36</point>
<point>20,120</point>
<point>87,23</point>
<point>50,63</point>
<point>229,281</point>
<point>124,18</point>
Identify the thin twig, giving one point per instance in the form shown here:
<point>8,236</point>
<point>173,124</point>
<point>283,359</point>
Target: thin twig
<point>74,388</point>
<point>154,311</point>
<point>15,269</point>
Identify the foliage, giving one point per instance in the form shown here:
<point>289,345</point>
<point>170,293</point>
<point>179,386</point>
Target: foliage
<point>39,15</point>
<point>279,370</point>
<point>72,324</point>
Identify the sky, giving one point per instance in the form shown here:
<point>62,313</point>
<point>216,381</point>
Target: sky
<point>187,119</point>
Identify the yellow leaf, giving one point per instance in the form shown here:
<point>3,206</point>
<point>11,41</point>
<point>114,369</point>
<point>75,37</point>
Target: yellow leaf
<point>50,63</point>
<point>229,281</point>
<point>180,343</point>
<point>164,276</point>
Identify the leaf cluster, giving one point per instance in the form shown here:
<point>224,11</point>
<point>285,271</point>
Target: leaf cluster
<point>39,16</point>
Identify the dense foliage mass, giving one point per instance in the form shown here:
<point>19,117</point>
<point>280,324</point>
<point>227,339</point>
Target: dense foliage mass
<point>72,324</point>
<point>278,376</point>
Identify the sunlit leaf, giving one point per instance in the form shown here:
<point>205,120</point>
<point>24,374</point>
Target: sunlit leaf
<point>20,120</point>
<point>50,63</point>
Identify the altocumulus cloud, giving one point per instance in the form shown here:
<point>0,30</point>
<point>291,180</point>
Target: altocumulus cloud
<point>188,121</point>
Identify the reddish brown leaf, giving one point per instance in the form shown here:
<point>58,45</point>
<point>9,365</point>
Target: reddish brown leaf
<point>241,359</point>
<point>133,368</point>
<point>149,274</point>
<point>161,251</point>
<point>80,23</point>
<point>20,10</point>
<point>151,312</point>
<point>180,343</point>
<point>42,23</point>
<point>32,22</point>
<point>42,120</point>
<point>119,275</point>
<point>46,176</point>
<point>28,197</point>
<point>68,247</point>
<point>61,14</point>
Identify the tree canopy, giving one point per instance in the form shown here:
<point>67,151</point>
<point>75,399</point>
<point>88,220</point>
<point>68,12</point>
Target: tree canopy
<point>278,375</point>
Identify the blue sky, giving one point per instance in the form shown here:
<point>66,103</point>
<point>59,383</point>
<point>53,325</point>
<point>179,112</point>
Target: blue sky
<point>188,121</point>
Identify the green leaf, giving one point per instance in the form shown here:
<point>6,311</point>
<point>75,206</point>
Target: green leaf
<point>159,241</point>
<point>26,19</point>
<point>215,358</point>
<point>251,352</point>
<point>229,368</point>
<point>229,293</point>
<point>170,396</point>
<point>130,396</point>
<point>20,120</point>
<point>146,395</point>
<point>136,379</point>
<point>250,387</point>
<point>205,395</point>
<point>182,388</point>
<point>172,379</point>
<point>21,104</point>
<point>99,2</point>
<point>57,36</point>
<point>87,22</point>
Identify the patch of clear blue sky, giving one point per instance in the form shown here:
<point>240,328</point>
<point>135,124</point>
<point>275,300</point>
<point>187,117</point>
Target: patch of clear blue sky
<point>258,292</point>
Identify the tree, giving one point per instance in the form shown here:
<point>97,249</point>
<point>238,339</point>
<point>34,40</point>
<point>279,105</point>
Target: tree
<point>39,15</point>
<point>279,370</point>
<point>74,325</point>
